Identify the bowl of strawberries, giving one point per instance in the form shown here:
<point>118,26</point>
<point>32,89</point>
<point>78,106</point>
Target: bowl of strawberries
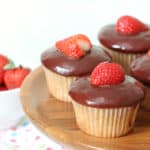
<point>11,78</point>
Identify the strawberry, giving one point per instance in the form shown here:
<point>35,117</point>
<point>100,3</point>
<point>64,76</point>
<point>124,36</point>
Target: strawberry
<point>1,76</point>
<point>107,74</point>
<point>129,25</point>
<point>148,54</point>
<point>3,88</point>
<point>3,60</point>
<point>75,46</point>
<point>13,78</point>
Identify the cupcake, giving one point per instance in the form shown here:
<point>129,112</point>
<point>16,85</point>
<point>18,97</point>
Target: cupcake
<point>140,69</point>
<point>69,59</point>
<point>108,101</point>
<point>125,40</point>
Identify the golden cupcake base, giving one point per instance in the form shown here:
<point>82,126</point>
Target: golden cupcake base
<point>58,85</point>
<point>124,59</point>
<point>105,122</point>
<point>146,103</point>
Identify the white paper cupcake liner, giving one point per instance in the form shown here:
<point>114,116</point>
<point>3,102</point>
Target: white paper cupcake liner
<point>58,85</point>
<point>125,59</point>
<point>146,103</point>
<point>105,122</point>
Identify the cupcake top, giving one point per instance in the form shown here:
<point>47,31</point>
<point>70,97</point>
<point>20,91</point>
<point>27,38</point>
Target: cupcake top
<point>67,59</point>
<point>107,87</point>
<point>128,35</point>
<point>140,68</point>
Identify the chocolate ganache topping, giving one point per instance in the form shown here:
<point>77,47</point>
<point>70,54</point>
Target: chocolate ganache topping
<point>57,62</point>
<point>127,93</point>
<point>140,69</point>
<point>110,38</point>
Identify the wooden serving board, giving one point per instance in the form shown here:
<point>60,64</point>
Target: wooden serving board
<point>56,119</point>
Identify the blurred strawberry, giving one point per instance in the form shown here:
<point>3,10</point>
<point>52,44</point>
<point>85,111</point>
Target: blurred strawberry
<point>148,53</point>
<point>3,88</point>
<point>13,78</point>
<point>1,75</point>
<point>5,63</point>
<point>3,60</point>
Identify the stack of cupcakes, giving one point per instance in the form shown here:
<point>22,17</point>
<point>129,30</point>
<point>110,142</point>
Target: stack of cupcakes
<point>79,72</point>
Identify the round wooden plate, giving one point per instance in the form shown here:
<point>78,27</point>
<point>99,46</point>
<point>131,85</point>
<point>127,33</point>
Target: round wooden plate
<point>57,120</point>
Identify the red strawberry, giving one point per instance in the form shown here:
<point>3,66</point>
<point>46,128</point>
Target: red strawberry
<point>13,78</point>
<point>3,88</point>
<point>3,60</point>
<point>1,76</point>
<point>148,54</point>
<point>129,25</point>
<point>74,46</point>
<point>107,74</point>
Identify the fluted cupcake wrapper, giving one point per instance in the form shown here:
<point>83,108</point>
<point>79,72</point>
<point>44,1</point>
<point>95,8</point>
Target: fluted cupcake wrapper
<point>125,59</point>
<point>58,85</point>
<point>146,102</point>
<point>105,122</point>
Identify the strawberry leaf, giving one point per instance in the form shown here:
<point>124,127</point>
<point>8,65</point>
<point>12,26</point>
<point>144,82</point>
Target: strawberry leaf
<point>10,65</point>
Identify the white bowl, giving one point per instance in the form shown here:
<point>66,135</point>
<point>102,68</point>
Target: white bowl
<point>10,108</point>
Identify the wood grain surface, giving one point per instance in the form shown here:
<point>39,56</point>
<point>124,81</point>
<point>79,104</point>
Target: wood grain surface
<point>56,119</point>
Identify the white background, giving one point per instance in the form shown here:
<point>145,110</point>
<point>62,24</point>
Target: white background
<point>28,27</point>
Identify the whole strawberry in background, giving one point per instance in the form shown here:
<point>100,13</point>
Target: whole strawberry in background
<point>3,61</point>
<point>14,77</point>
<point>11,77</point>
<point>1,75</point>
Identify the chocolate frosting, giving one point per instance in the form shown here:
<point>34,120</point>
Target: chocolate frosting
<point>110,38</point>
<point>140,69</point>
<point>127,93</point>
<point>57,62</point>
